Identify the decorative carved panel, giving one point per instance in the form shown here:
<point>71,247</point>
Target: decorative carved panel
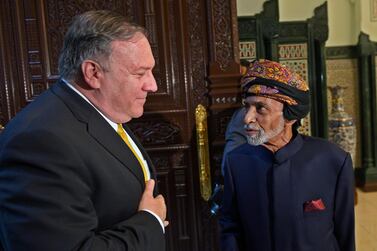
<point>59,15</point>
<point>162,23</point>
<point>4,94</point>
<point>156,133</point>
<point>295,57</point>
<point>294,29</point>
<point>175,182</point>
<point>9,60</point>
<point>164,187</point>
<point>247,28</point>
<point>248,50</point>
<point>197,53</point>
<point>293,51</point>
<point>341,52</point>
<point>223,33</point>
<point>185,36</point>
<point>222,125</point>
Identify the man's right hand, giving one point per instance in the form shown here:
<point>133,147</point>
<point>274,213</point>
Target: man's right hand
<point>155,204</point>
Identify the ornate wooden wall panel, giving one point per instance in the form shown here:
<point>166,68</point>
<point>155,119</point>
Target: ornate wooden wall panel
<point>12,71</point>
<point>6,104</point>
<point>195,44</point>
<point>249,40</point>
<point>224,74</point>
<point>37,28</point>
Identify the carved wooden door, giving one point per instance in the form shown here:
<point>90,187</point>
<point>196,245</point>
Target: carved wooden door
<point>194,46</point>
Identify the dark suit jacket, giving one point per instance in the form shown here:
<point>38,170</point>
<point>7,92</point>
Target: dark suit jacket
<point>68,181</point>
<point>265,196</point>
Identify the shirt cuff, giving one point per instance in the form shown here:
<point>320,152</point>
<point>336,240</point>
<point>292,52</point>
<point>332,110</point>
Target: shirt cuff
<point>158,218</point>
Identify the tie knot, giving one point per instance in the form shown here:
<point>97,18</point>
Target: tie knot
<point>120,128</point>
<point>121,132</point>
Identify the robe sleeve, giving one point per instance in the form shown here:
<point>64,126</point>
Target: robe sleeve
<point>344,217</point>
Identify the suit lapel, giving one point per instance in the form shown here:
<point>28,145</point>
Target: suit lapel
<point>99,129</point>
<point>109,139</point>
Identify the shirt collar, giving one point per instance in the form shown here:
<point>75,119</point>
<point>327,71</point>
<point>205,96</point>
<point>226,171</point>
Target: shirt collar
<point>112,124</point>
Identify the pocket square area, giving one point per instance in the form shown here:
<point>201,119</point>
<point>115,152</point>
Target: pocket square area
<point>314,205</point>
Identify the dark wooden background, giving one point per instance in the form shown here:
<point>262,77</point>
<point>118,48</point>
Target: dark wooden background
<point>195,43</point>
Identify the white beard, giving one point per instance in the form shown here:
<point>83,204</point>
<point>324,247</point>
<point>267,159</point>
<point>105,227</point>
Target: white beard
<point>263,137</point>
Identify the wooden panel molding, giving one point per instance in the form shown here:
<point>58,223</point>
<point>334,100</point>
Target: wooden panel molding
<point>155,132</point>
<point>341,52</point>
<point>366,176</point>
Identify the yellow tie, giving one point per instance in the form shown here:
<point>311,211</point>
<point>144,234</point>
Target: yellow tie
<point>123,135</point>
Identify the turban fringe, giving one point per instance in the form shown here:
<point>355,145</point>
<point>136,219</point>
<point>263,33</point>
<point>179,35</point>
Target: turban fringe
<point>285,94</point>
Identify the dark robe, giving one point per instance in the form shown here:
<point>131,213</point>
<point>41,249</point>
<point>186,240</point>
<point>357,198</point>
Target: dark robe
<point>268,198</point>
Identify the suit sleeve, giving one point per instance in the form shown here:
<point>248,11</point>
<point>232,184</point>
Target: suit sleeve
<point>45,202</point>
<point>344,207</point>
<point>231,235</point>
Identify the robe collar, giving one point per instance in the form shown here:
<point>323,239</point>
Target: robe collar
<point>290,149</point>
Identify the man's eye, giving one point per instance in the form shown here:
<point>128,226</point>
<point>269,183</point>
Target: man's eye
<point>261,109</point>
<point>140,74</point>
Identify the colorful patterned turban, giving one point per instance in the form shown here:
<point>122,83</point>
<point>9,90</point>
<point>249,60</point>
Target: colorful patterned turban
<point>273,80</point>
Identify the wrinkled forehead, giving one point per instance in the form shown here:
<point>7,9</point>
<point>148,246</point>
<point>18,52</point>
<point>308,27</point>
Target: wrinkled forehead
<point>265,101</point>
<point>135,53</point>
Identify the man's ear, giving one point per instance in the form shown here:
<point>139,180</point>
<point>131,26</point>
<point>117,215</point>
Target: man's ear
<point>92,73</point>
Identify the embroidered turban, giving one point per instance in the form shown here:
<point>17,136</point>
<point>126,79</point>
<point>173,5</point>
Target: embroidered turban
<point>273,80</point>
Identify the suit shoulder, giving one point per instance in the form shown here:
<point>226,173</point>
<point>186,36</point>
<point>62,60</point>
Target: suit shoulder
<point>320,145</point>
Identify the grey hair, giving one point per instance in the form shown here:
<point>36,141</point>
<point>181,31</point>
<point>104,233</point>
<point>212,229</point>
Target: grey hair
<point>89,37</point>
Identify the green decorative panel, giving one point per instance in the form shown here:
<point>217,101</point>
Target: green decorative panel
<point>248,50</point>
<point>295,57</point>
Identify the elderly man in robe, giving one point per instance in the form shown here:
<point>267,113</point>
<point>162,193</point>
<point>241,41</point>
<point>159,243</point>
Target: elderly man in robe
<point>284,191</point>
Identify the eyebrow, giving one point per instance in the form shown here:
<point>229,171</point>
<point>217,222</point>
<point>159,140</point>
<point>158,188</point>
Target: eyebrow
<point>257,103</point>
<point>146,68</point>
<point>142,69</point>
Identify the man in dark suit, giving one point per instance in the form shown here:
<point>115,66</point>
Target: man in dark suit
<point>72,175</point>
<point>284,191</point>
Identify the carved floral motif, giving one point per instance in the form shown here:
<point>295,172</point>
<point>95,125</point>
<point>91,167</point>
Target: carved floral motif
<point>155,133</point>
<point>196,34</point>
<point>223,33</point>
<point>60,14</point>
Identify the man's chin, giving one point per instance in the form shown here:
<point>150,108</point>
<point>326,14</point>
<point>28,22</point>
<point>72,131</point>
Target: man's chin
<point>254,141</point>
<point>138,114</point>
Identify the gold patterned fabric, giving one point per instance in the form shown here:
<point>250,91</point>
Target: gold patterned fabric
<point>273,80</point>
<point>274,71</point>
<point>271,92</point>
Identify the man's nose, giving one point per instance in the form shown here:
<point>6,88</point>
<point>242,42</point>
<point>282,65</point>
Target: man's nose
<point>150,83</point>
<point>250,115</point>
